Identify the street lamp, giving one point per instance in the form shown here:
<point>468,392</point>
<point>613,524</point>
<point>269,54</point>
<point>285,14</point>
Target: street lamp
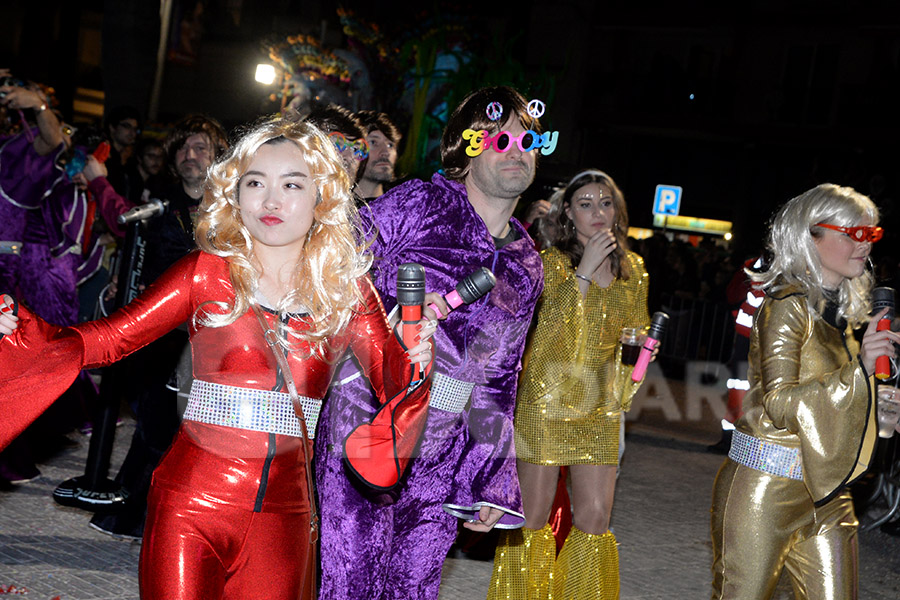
<point>265,74</point>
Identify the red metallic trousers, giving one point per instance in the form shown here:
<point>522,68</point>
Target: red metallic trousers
<point>228,518</point>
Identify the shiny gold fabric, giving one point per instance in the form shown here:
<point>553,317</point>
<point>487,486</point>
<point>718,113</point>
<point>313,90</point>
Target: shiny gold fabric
<point>587,567</point>
<point>763,523</point>
<point>574,387</point>
<point>523,565</point>
<point>808,391</point>
<point>526,566</point>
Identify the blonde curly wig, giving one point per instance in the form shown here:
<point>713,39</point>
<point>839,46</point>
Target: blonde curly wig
<point>333,259</point>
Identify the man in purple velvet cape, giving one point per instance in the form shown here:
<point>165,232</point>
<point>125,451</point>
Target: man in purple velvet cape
<point>392,546</point>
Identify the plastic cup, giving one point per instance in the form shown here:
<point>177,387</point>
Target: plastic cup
<point>888,410</point>
<point>630,340</point>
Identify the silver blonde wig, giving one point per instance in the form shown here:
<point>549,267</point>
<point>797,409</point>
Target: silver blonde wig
<point>333,260</point>
<point>795,259</point>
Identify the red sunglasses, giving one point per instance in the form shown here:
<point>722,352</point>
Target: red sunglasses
<point>863,233</point>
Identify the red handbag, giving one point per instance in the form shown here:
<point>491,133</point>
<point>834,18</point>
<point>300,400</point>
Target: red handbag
<point>379,452</point>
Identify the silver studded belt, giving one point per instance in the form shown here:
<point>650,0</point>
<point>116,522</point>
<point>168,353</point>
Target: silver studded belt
<point>249,408</point>
<point>449,394</point>
<point>768,457</point>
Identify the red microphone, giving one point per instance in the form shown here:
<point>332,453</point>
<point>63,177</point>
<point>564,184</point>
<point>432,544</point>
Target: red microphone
<point>410,297</point>
<point>883,297</point>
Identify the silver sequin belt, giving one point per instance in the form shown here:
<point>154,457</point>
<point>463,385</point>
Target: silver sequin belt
<point>449,394</point>
<point>764,456</point>
<point>249,408</point>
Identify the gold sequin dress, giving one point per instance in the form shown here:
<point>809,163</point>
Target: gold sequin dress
<point>574,387</point>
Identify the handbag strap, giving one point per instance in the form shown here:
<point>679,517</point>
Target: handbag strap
<point>272,341</point>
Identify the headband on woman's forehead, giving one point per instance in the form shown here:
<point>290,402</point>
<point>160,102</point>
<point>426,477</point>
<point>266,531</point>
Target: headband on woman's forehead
<point>587,173</point>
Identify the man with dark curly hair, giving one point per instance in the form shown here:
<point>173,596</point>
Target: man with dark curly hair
<point>392,546</point>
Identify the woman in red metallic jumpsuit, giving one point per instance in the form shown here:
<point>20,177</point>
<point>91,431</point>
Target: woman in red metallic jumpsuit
<point>229,507</point>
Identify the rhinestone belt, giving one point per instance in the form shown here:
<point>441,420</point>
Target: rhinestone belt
<point>248,408</point>
<point>449,394</point>
<point>768,457</point>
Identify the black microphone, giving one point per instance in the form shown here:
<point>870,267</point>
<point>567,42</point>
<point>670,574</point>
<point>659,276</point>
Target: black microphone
<point>153,208</point>
<point>410,297</point>
<point>883,297</point>
<point>468,290</point>
<point>657,329</point>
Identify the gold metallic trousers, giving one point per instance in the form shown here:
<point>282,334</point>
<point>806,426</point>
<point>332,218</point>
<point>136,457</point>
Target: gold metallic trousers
<point>526,566</point>
<point>763,523</point>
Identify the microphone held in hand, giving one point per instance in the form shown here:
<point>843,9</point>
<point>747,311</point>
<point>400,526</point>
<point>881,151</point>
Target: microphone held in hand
<point>657,329</point>
<point>468,290</point>
<point>883,297</point>
<point>410,297</point>
<point>153,208</point>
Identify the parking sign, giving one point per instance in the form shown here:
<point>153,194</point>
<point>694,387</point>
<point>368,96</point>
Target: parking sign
<point>667,200</point>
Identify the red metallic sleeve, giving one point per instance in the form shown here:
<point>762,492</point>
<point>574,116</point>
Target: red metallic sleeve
<point>39,361</point>
<point>163,306</point>
<point>376,348</point>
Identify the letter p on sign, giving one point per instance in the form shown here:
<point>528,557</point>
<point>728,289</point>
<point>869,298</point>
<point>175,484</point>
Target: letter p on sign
<point>667,200</point>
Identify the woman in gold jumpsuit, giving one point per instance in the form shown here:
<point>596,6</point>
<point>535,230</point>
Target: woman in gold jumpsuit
<point>808,428</point>
<point>571,397</point>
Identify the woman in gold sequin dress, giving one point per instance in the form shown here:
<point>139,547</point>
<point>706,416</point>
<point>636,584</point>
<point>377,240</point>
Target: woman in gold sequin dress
<point>781,500</point>
<point>571,397</point>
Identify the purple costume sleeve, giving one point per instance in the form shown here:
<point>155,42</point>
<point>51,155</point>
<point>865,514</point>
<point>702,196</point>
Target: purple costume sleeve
<point>51,265</point>
<point>434,224</point>
<point>25,175</point>
<point>35,182</point>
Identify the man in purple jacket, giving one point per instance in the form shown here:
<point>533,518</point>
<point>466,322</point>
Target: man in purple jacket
<point>392,547</point>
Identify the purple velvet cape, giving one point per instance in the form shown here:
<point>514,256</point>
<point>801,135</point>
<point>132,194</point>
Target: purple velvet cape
<point>393,547</point>
<point>45,211</point>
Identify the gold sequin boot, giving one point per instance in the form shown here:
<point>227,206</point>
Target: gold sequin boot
<point>587,567</point>
<point>523,565</point>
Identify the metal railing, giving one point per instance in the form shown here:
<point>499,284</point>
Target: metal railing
<point>697,330</point>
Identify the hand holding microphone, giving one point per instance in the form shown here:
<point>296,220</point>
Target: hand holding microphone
<point>657,329</point>
<point>878,344</point>
<point>9,310</point>
<point>467,291</point>
<point>410,297</point>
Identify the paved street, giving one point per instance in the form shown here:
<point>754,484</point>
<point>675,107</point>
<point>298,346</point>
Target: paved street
<point>661,520</point>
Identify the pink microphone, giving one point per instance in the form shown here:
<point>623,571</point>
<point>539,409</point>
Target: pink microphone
<point>468,290</point>
<point>657,329</point>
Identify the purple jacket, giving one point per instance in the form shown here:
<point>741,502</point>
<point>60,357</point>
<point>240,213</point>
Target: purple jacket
<point>434,224</point>
<point>48,208</point>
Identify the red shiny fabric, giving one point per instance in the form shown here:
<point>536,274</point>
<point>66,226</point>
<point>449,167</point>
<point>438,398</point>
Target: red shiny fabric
<point>204,537</point>
<point>33,372</point>
<point>379,452</point>
<point>561,512</point>
<point>228,509</point>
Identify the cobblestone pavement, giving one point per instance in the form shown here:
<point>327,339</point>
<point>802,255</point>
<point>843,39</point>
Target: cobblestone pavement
<point>661,520</point>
